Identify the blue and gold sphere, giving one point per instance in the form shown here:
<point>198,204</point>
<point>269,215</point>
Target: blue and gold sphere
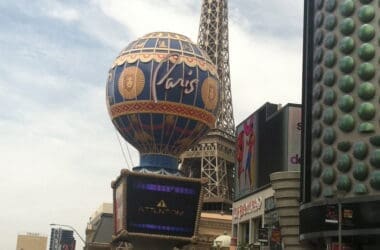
<point>162,95</point>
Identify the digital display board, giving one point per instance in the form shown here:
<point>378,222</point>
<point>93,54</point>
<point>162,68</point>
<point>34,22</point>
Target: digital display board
<point>162,205</point>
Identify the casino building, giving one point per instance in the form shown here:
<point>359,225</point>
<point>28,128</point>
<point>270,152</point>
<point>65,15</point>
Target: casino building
<point>341,144</point>
<point>265,210</point>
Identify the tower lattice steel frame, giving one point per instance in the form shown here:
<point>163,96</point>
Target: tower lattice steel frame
<point>214,155</point>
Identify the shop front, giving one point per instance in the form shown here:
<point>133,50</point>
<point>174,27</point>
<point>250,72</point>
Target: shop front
<point>249,226</point>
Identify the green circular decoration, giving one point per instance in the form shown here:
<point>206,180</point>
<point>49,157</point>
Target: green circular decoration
<point>346,64</point>
<point>344,183</point>
<point>329,77</point>
<point>366,13</point>
<point>316,188</point>
<point>360,188</point>
<point>330,59</point>
<point>344,163</point>
<point>344,146</point>
<point>346,103</point>
<point>317,74</point>
<point>329,115</point>
<point>316,129</point>
<point>318,19</point>
<point>347,8</point>
<point>375,158</point>
<point>360,150</point>
<point>346,83</point>
<point>328,155</point>
<point>328,175</point>
<point>360,171</point>
<point>329,135</point>
<point>319,4</point>
<point>347,45</point>
<point>366,111</point>
<point>375,180</point>
<point>366,127</point>
<point>328,192</point>
<point>318,37</point>
<point>366,91</point>
<point>318,55</point>
<point>329,97</point>
<point>317,91</point>
<point>330,22</point>
<point>330,5</point>
<point>316,149</point>
<point>316,168</point>
<point>330,40</point>
<point>317,110</point>
<point>375,140</point>
<point>347,26</point>
<point>366,32</point>
<point>366,51</point>
<point>366,71</point>
<point>346,123</point>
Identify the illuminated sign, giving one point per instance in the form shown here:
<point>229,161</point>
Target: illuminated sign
<point>247,208</point>
<point>164,206</point>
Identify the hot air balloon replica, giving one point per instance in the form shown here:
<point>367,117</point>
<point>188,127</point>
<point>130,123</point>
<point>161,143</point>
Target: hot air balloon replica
<point>162,96</point>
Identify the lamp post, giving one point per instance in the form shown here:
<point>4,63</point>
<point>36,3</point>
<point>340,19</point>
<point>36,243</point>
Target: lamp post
<point>340,195</point>
<point>68,226</point>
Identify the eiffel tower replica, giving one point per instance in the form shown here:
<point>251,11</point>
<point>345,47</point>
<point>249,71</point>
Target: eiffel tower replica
<point>214,155</point>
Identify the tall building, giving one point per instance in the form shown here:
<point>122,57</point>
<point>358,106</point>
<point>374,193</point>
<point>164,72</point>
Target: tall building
<point>100,228</point>
<point>341,144</point>
<point>61,239</point>
<point>213,156</point>
<point>31,241</point>
<point>266,206</point>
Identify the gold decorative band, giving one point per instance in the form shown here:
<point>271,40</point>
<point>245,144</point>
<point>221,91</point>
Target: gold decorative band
<point>190,61</point>
<point>164,107</point>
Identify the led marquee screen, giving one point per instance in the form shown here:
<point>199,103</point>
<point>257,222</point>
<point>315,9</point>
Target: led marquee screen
<point>165,206</point>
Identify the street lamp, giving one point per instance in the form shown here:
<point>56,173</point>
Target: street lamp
<point>340,195</point>
<point>60,225</point>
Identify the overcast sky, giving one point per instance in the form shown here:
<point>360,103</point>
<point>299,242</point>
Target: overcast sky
<point>59,151</point>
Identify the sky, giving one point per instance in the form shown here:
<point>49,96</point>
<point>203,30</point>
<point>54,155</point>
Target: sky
<point>59,151</point>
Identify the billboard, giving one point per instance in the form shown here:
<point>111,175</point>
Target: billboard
<point>246,145</point>
<point>294,139</point>
<point>157,205</point>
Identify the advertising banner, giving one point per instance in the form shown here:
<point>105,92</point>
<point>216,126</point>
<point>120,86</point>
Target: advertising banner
<point>294,139</point>
<point>246,156</point>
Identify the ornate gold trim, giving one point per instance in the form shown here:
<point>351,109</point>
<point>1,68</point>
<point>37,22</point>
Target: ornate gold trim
<point>190,61</point>
<point>163,107</point>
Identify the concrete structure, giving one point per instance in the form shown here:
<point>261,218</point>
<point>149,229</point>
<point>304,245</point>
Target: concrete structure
<point>286,186</point>
<point>31,241</point>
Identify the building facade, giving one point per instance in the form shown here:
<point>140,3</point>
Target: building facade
<point>341,144</point>
<point>61,239</point>
<point>31,241</point>
<point>265,210</point>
